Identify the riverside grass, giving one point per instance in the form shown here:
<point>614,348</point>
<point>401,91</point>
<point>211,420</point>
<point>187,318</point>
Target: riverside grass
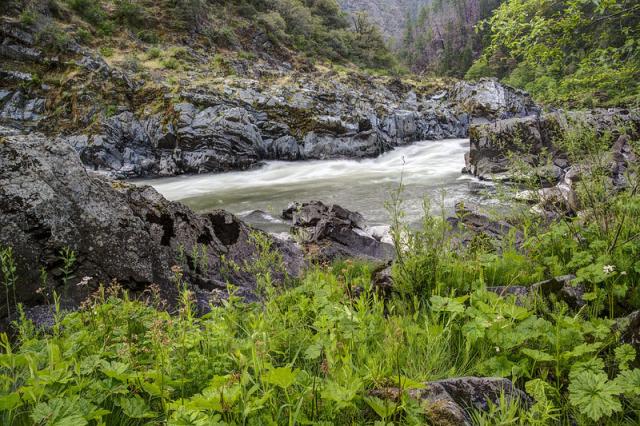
<point>311,350</point>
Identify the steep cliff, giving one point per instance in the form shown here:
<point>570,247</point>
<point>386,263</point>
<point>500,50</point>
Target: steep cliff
<point>391,16</point>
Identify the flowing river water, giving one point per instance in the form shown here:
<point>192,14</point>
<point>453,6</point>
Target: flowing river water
<point>427,169</point>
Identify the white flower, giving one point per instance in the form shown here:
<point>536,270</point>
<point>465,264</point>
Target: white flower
<point>623,273</point>
<point>497,349</point>
<point>84,281</point>
<point>608,269</point>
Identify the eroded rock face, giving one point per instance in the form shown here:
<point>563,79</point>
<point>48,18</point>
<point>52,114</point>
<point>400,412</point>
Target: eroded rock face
<point>333,232</point>
<point>489,99</point>
<point>450,402</point>
<point>236,129</point>
<point>131,234</point>
<point>493,146</point>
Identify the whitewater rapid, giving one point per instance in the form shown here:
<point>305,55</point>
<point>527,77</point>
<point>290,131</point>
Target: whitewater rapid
<point>427,169</point>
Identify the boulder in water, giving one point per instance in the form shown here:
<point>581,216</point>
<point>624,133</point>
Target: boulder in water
<point>332,232</point>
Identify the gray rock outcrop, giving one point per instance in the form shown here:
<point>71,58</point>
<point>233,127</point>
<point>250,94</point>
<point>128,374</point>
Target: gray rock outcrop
<point>494,146</point>
<point>451,401</point>
<point>332,232</point>
<point>117,231</point>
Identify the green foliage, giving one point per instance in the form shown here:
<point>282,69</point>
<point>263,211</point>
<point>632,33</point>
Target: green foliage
<point>568,51</point>
<point>312,348</point>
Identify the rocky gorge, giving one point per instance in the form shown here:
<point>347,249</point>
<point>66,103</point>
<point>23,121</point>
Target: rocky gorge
<point>232,123</point>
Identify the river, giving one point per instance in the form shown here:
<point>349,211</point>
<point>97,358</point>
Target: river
<point>427,169</point>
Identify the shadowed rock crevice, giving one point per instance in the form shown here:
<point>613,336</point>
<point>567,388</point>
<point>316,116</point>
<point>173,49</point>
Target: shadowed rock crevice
<point>167,226</point>
<point>226,227</point>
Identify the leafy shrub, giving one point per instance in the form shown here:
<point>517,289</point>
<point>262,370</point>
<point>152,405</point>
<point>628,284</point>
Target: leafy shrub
<point>170,63</point>
<point>106,51</point>
<point>90,10</point>
<point>129,12</point>
<point>154,53</point>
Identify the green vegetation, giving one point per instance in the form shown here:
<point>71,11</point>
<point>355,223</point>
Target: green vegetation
<point>317,29</point>
<point>580,53</point>
<point>441,39</point>
<point>311,350</point>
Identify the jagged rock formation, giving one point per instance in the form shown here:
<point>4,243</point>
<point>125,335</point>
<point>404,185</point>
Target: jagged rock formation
<point>493,144</point>
<point>307,120</point>
<point>131,234</point>
<point>333,232</point>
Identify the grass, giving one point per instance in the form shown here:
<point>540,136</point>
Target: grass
<point>312,350</point>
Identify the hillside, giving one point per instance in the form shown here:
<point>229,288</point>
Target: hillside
<point>391,16</point>
<point>442,39</point>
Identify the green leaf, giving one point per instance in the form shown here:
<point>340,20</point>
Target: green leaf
<point>313,351</point>
<point>445,304</point>
<point>624,355</point>
<point>537,355</point>
<point>594,396</point>
<point>10,401</point>
<point>629,382</point>
<point>384,408</point>
<point>341,395</point>
<point>136,408</point>
<point>57,412</point>
<point>283,377</point>
<point>116,370</point>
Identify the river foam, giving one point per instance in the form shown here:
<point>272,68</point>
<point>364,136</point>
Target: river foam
<point>427,169</point>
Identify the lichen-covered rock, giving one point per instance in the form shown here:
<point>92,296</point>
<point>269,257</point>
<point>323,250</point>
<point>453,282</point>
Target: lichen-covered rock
<point>127,233</point>
<point>490,99</point>
<point>450,402</point>
<point>246,122</point>
<point>494,146</point>
<point>19,109</point>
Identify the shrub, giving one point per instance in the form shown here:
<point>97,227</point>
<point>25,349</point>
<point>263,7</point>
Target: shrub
<point>170,63</point>
<point>90,10</point>
<point>154,53</point>
<point>106,51</point>
<point>129,12</point>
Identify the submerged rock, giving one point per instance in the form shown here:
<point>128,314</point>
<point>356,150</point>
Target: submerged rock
<point>117,231</point>
<point>332,232</point>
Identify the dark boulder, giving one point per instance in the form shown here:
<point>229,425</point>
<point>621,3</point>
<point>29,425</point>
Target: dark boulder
<point>561,288</point>
<point>117,231</point>
<point>469,222</point>
<point>332,232</point>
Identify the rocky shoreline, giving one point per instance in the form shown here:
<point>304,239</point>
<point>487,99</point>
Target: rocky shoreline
<point>50,201</point>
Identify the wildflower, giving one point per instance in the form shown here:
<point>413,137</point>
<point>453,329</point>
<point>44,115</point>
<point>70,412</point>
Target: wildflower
<point>40,290</point>
<point>84,281</point>
<point>497,349</point>
<point>623,273</point>
<point>176,269</point>
<point>608,269</point>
